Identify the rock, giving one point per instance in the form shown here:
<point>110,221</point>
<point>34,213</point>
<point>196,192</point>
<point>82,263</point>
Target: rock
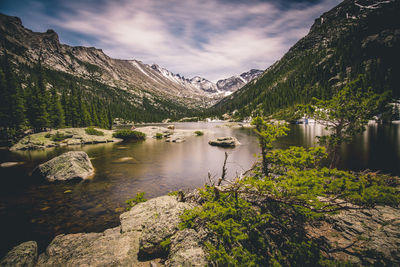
<point>72,136</point>
<point>186,249</point>
<point>147,224</point>
<point>225,142</point>
<point>70,165</point>
<point>162,224</point>
<point>175,139</point>
<point>24,254</point>
<point>72,142</point>
<point>110,248</point>
<point>171,127</point>
<point>10,164</point>
<point>125,160</point>
<point>352,232</point>
<point>158,219</point>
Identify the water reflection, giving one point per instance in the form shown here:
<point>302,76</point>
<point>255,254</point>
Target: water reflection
<point>33,210</point>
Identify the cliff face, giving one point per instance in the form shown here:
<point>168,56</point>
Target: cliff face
<point>355,37</point>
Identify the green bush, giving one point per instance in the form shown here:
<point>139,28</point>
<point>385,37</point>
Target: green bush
<point>136,200</point>
<point>58,137</point>
<point>93,131</point>
<point>48,135</point>
<point>159,135</point>
<point>128,134</point>
<point>199,133</point>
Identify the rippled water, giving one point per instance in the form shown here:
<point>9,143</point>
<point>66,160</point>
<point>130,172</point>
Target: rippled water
<point>33,210</point>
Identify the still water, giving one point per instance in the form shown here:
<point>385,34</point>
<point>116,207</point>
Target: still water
<point>34,210</point>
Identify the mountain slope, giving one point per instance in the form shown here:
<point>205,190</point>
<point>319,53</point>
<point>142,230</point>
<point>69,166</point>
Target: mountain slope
<point>355,37</point>
<point>145,87</point>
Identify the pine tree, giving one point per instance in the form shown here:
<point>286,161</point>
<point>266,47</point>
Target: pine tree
<point>12,107</point>
<point>36,108</point>
<point>56,111</point>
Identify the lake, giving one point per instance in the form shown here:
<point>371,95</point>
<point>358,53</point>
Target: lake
<point>35,210</point>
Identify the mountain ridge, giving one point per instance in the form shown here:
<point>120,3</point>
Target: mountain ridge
<point>353,38</point>
<point>90,63</point>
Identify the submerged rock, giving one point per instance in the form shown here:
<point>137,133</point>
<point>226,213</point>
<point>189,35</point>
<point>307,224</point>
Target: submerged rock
<point>175,139</point>
<point>25,254</point>
<point>225,142</point>
<point>10,164</point>
<point>70,165</point>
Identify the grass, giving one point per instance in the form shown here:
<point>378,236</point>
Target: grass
<point>58,137</point>
<point>199,133</point>
<point>128,134</point>
<point>93,131</point>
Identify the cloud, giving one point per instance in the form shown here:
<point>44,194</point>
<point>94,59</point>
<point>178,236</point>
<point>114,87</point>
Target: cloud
<point>210,38</point>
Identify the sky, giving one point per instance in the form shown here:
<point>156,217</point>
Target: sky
<point>214,39</point>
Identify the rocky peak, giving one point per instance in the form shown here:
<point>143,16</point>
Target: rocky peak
<point>236,82</point>
<point>204,84</point>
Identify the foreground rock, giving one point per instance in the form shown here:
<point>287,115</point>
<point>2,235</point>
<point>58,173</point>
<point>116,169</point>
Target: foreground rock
<point>363,237</point>
<point>72,136</point>
<point>24,254</point>
<point>70,165</point>
<point>224,142</point>
<point>162,221</point>
<point>186,249</point>
<point>142,230</point>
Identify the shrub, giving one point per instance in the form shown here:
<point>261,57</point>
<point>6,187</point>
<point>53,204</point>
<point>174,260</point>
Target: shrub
<point>128,134</point>
<point>159,135</point>
<point>58,137</point>
<point>199,133</point>
<point>136,200</point>
<point>48,135</point>
<point>93,131</point>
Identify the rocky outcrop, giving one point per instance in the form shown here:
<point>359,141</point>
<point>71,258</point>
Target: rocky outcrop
<point>171,134</point>
<point>69,136</point>
<point>364,237</point>
<point>142,229</point>
<point>186,249</point>
<point>162,223</point>
<point>68,166</point>
<point>24,254</point>
<point>110,248</point>
<point>224,142</point>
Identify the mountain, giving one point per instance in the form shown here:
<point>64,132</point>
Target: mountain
<point>234,83</point>
<point>142,88</point>
<point>355,37</point>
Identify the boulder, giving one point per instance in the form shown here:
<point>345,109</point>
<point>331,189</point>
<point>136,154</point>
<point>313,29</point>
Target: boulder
<point>171,127</point>
<point>70,165</point>
<point>110,248</point>
<point>224,142</point>
<point>24,254</point>
<point>158,219</point>
<point>186,250</point>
